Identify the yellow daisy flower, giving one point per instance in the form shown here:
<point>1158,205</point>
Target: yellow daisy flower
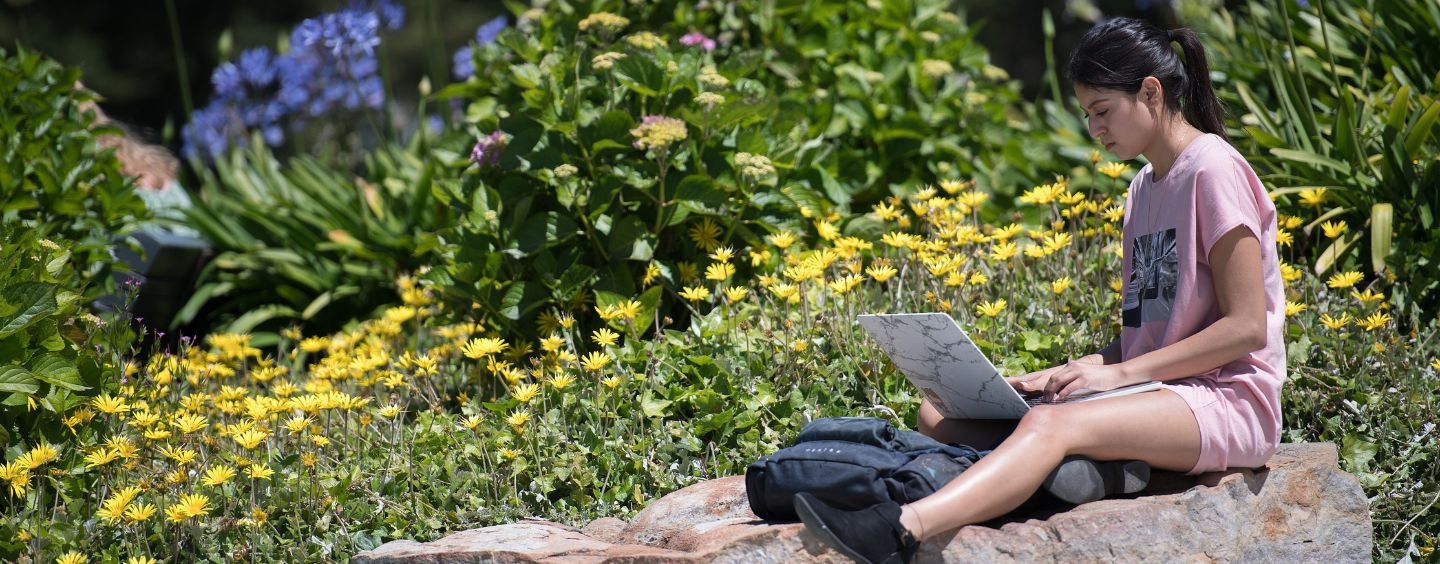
<point>605,337</point>
<point>73,557</point>
<point>1335,323</point>
<point>736,293</point>
<point>217,475</point>
<point>1313,196</point>
<point>1344,279</point>
<point>1369,295</point>
<point>595,361</point>
<point>695,293</point>
<point>562,381</point>
<point>705,234</point>
<point>881,272</point>
<point>1374,321</point>
<point>719,271</point>
<point>189,506</point>
<point>483,347</point>
<point>781,240</point>
<point>526,392</point>
<point>140,512</point>
<point>990,309</point>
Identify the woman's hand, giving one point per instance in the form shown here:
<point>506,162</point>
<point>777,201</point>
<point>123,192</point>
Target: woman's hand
<point>1033,382</point>
<point>1080,378</point>
<point>1040,380</point>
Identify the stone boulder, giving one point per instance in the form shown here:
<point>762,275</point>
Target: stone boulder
<point>1300,508</point>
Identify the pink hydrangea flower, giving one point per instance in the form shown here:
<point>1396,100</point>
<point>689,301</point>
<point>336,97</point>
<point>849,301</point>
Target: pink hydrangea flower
<point>696,38</point>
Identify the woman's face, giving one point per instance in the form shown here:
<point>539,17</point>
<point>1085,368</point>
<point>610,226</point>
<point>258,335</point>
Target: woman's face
<point>1125,124</point>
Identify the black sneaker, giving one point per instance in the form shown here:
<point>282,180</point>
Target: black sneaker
<point>1080,480</point>
<point>872,535</point>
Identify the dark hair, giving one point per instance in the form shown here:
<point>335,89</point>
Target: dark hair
<point>1118,54</point>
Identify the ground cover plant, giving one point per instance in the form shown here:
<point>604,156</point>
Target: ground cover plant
<point>441,408</point>
<point>408,426</point>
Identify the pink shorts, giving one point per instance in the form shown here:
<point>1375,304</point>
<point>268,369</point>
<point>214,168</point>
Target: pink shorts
<point>1233,424</point>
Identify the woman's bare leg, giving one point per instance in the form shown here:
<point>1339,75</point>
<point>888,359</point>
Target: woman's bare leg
<point>1156,427</point>
<point>979,434</point>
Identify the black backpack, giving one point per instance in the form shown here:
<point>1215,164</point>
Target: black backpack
<point>852,462</point>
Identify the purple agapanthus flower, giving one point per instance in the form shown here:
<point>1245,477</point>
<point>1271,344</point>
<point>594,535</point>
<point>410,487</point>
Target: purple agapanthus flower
<point>488,31</point>
<point>462,64</point>
<point>331,66</point>
<point>489,149</point>
<point>697,39</point>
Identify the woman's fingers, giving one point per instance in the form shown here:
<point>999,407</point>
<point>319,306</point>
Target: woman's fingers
<point>1033,381</point>
<point>1060,381</point>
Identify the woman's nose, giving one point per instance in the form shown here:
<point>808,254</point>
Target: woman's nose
<point>1094,128</point>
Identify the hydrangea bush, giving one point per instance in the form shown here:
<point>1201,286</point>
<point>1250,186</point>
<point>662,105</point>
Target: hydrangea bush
<point>617,145</point>
<point>64,207</point>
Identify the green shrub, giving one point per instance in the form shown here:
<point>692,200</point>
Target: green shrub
<point>802,110</point>
<point>65,203</point>
<point>1338,100</point>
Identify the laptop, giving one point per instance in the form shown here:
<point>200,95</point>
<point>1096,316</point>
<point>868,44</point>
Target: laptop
<point>936,355</point>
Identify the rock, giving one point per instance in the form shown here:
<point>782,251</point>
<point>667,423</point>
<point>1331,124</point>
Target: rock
<point>1300,508</point>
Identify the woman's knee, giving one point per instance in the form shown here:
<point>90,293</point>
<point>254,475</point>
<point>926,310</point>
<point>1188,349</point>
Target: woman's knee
<point>928,419</point>
<point>1048,423</point>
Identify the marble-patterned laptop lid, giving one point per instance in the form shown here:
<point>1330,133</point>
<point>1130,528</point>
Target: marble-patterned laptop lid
<point>936,355</point>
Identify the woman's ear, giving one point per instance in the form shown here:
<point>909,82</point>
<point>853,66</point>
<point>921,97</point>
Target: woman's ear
<point>1152,93</point>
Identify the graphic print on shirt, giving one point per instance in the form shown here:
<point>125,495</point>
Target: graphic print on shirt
<point>1154,274</point>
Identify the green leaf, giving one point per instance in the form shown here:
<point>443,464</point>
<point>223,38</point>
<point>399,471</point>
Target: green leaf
<point>1420,132</point>
<point>612,130</point>
<point>18,380</point>
<point>652,406</point>
<point>641,75</point>
<point>627,239</point>
<point>28,302</point>
<point>252,319</point>
<point>1357,452</point>
<point>544,230</point>
<point>699,189</point>
<point>325,299</point>
<point>1399,109</point>
<point>1312,159</point>
<point>1381,235</point>
<point>520,299</point>
<point>58,371</point>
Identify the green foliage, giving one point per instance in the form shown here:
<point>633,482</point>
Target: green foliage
<point>805,105</point>
<point>1341,96</point>
<point>406,426</point>
<point>64,203</point>
<point>300,243</point>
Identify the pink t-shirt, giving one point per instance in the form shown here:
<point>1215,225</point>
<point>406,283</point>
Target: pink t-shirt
<point>1170,226</point>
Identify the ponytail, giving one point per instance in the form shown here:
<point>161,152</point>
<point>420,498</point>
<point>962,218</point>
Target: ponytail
<point>1201,106</point>
<point>1118,54</point>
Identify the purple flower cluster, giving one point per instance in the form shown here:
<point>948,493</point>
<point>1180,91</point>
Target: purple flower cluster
<point>331,66</point>
<point>463,61</point>
<point>489,149</point>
